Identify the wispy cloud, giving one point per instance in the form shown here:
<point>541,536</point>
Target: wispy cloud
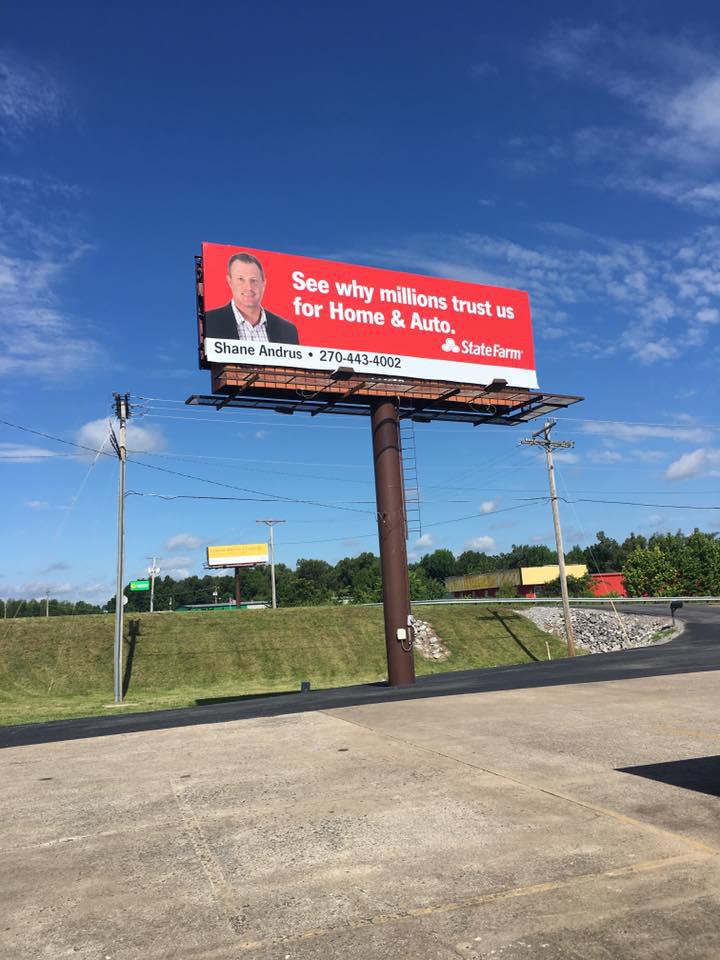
<point>652,300</point>
<point>489,506</point>
<point>37,504</point>
<point>425,541</point>
<point>21,453</point>
<point>183,541</point>
<point>40,245</point>
<point>669,86</point>
<point>30,97</point>
<point>703,462</point>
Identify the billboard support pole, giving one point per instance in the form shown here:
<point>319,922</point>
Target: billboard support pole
<point>122,412</point>
<point>237,588</point>
<point>385,422</point>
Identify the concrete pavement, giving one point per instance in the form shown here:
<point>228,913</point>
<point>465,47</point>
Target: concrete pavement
<point>500,824</point>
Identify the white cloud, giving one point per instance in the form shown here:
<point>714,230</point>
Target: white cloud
<point>489,506</point>
<point>480,543</point>
<point>183,541</point>
<point>649,456</point>
<point>561,456</point>
<point>21,453</point>
<point>139,439</point>
<point>654,521</point>
<point>177,573</point>
<point>37,504</point>
<point>604,456</point>
<point>636,431</point>
<point>426,540</point>
<point>703,462</point>
<point>260,434</point>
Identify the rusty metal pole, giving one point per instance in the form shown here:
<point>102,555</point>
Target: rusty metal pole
<point>393,550</point>
<point>237,588</point>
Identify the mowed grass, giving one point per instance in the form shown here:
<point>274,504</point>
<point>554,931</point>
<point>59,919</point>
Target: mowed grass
<point>59,667</point>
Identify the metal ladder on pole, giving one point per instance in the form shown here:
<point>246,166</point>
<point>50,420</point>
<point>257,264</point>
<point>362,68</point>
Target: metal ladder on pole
<point>411,485</point>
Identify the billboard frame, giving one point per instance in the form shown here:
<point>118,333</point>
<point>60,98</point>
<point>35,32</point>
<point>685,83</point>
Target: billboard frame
<point>386,400</point>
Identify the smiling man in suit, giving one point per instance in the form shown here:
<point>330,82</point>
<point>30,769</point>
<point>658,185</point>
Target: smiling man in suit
<point>244,318</point>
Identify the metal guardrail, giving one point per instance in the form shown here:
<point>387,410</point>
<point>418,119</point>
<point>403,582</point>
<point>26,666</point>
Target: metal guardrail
<point>575,600</point>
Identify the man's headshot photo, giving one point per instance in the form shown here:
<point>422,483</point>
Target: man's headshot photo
<point>244,317</point>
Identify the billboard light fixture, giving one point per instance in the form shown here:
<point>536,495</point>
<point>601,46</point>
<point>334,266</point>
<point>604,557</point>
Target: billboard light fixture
<point>342,373</point>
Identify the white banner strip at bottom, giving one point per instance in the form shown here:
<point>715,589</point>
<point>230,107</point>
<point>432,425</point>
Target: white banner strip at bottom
<point>325,359</point>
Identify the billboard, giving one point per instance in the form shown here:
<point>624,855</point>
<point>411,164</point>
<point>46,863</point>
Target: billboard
<point>237,555</point>
<point>278,310</point>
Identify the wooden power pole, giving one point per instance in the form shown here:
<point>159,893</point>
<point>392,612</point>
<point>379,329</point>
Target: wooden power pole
<point>542,439</point>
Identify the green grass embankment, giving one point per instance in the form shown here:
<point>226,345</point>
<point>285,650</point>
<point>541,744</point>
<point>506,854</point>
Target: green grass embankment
<point>62,666</point>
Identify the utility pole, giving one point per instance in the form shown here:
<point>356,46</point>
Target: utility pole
<point>270,524</point>
<point>47,604</point>
<point>152,571</point>
<point>541,438</point>
<point>122,412</point>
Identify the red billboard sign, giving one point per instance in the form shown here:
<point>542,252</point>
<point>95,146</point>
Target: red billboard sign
<point>280,310</point>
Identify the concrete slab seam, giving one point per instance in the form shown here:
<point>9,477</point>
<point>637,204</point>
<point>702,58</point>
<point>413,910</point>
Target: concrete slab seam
<point>686,731</point>
<point>698,845</point>
<point>221,890</point>
<point>476,900</point>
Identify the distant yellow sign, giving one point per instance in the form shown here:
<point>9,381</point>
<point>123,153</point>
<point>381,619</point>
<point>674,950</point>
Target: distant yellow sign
<point>237,555</point>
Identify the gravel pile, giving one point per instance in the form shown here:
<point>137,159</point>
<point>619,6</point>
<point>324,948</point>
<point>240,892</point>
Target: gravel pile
<point>600,631</point>
<point>427,643</point>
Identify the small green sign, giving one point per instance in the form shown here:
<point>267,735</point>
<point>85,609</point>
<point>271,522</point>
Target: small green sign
<point>139,584</point>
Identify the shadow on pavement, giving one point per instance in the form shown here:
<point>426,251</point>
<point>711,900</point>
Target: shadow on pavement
<point>701,774</point>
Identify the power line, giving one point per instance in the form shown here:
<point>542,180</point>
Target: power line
<point>177,473</point>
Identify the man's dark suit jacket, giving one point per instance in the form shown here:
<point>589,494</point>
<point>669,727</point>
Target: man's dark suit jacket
<point>221,324</point>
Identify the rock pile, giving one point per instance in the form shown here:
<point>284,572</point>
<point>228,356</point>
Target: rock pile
<point>601,631</point>
<point>427,642</point>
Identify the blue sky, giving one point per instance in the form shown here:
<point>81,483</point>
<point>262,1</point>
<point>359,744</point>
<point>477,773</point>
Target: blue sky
<point>568,150</point>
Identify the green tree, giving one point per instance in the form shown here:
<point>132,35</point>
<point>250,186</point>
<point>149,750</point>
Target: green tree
<point>439,564</point>
<point>605,556</point>
<point>650,572</point>
<point>576,555</point>
<point>577,587</point>
<point>528,555</point>
<point>423,587</point>
<point>474,561</point>
<point>699,565</point>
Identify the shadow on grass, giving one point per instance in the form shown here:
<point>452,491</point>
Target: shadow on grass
<point>204,701</point>
<point>134,633</point>
<point>695,650</point>
<point>260,695</point>
<point>515,637</point>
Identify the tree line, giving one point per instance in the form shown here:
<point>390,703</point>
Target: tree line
<point>661,565</point>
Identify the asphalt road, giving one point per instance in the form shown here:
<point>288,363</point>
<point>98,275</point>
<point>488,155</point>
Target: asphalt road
<point>697,649</point>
